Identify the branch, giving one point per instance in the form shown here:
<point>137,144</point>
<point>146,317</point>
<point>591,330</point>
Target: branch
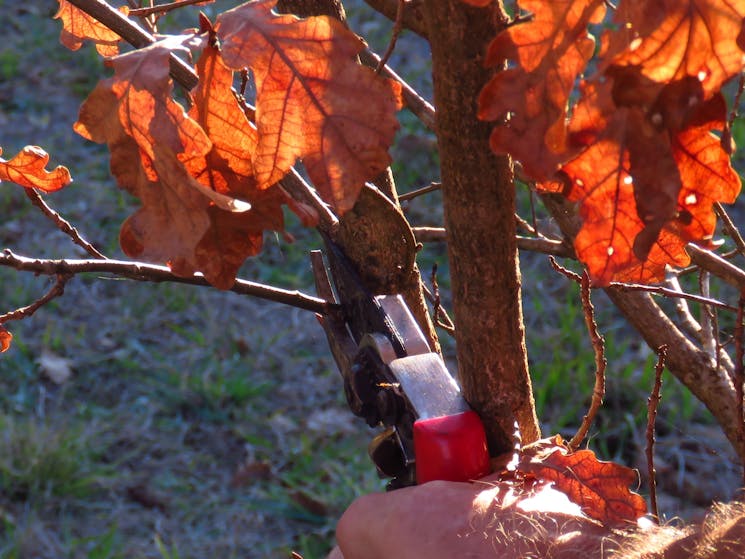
<point>162,8</point>
<point>57,289</point>
<point>397,24</point>
<point>62,224</point>
<point>717,265</point>
<point>652,403</point>
<point>598,345</point>
<point>730,227</point>
<point>412,19</point>
<point>418,105</point>
<point>546,246</point>
<point>432,187</point>
<point>135,36</point>
<point>153,273</point>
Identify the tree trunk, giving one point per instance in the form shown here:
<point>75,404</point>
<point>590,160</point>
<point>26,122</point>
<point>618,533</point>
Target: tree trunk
<point>479,202</point>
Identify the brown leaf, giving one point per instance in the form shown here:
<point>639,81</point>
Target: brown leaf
<point>5,339</point>
<point>314,100</point>
<point>78,26</point>
<point>28,169</point>
<point>600,488</point>
<point>191,187</point>
<point>549,51</point>
<point>478,3</point>
<point>670,40</point>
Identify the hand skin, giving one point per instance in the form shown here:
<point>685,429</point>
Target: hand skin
<point>446,520</point>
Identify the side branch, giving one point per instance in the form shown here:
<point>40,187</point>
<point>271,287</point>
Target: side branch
<point>153,273</point>
<point>134,35</point>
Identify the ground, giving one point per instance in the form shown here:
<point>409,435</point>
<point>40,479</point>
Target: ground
<point>198,423</point>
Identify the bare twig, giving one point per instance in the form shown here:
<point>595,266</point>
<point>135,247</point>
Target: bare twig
<point>687,321</point>
<point>413,18</point>
<point>437,310</point>
<point>135,36</point>
<point>24,312</point>
<point>666,292</point>
<point>432,187</point>
<point>162,8</point>
<point>61,223</point>
<point>395,32</point>
<point>543,245</point>
<point>739,373</point>
<point>449,325</point>
<point>300,190</point>
<point>652,404</point>
<point>598,346</point>
<point>417,104</point>
<point>730,227</point>
<point>153,273</point>
<point>709,336</point>
<point>717,265</point>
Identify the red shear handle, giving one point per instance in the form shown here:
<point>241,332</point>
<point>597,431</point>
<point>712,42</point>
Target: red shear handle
<point>450,448</point>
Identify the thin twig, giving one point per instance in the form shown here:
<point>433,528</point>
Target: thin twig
<point>687,321</point>
<point>730,227</point>
<point>543,245</point>
<point>24,312</point>
<point>739,373</point>
<point>432,187</point>
<point>418,105</point>
<point>652,403</point>
<point>449,325</point>
<point>666,292</point>
<point>709,341</point>
<point>301,191</point>
<point>395,32</point>
<point>153,273</point>
<point>62,224</point>
<point>717,265</point>
<point>598,346</point>
<point>162,8</point>
<point>437,310</point>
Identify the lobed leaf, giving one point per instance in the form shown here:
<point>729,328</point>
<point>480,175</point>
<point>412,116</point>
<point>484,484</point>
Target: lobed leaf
<point>314,101</point>
<point>600,488</point>
<point>5,339</point>
<point>196,193</point>
<point>670,40</point>
<point>78,26</point>
<point>28,169</point>
<point>644,191</point>
<point>549,52</point>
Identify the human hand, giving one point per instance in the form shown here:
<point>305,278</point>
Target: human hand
<point>443,520</point>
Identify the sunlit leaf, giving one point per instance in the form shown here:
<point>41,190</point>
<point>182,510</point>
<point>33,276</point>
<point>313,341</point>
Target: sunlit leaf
<point>28,169</point>
<point>78,26</point>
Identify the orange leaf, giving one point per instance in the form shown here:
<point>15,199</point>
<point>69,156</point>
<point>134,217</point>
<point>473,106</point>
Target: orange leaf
<point>549,51</point>
<point>314,101</point>
<point>5,339</point>
<point>600,488</point>
<point>190,186</point>
<point>146,109</point>
<point>78,26</point>
<point>28,169</point>
<point>644,191</point>
<point>670,40</point>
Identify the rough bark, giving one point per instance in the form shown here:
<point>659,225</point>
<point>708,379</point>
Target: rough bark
<point>479,202</point>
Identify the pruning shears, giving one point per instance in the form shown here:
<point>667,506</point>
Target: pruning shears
<point>393,380</point>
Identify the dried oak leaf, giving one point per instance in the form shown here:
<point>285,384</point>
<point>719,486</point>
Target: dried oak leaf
<point>549,52</point>
<point>228,169</point>
<point>314,101</point>
<point>78,26</point>
<point>600,488</point>
<point>5,339</point>
<point>644,192</point>
<point>28,169</point>
<point>670,40</point>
